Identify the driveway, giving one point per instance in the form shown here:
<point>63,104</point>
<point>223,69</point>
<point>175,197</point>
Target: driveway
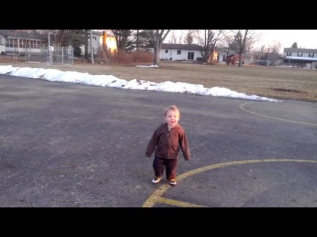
<point>73,145</point>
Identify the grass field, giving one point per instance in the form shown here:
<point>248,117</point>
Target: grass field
<point>272,82</point>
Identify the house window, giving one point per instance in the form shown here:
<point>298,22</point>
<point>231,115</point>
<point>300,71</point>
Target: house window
<point>311,55</point>
<point>166,50</point>
<point>15,43</point>
<point>32,44</point>
<point>179,51</point>
<point>21,43</point>
<point>8,43</point>
<point>299,54</point>
<point>190,55</point>
<point>288,53</point>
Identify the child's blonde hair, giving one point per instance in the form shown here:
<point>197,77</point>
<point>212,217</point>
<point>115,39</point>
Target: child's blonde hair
<point>172,108</point>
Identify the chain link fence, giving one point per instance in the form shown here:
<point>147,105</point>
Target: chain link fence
<point>56,55</point>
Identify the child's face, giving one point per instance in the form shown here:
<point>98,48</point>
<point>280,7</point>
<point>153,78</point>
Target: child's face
<point>171,118</point>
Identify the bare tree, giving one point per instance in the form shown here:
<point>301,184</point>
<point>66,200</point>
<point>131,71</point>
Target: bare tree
<point>137,39</point>
<point>75,38</point>
<point>176,37</point>
<point>243,42</point>
<point>208,40</point>
<point>189,37</point>
<point>122,37</point>
<point>86,32</point>
<point>64,38</point>
<point>42,32</point>
<point>143,39</point>
<point>226,43</point>
<point>276,47</point>
<point>158,37</point>
<point>180,38</point>
<point>172,39</point>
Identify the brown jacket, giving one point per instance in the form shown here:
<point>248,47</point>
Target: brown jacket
<point>167,144</point>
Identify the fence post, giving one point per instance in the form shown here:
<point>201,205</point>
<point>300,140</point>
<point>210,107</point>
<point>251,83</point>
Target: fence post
<point>91,48</point>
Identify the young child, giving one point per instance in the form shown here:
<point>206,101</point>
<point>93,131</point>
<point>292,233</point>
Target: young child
<point>166,141</point>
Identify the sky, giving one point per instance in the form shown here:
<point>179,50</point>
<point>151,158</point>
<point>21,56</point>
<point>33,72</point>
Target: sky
<point>304,38</point>
<point>135,84</point>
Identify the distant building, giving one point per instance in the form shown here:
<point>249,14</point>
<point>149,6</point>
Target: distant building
<point>180,52</point>
<point>300,57</point>
<point>96,43</point>
<point>19,42</point>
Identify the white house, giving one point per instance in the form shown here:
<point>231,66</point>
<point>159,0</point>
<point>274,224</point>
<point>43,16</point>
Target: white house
<point>100,42</point>
<point>16,42</point>
<point>223,54</point>
<point>2,44</point>
<point>307,57</point>
<point>96,43</point>
<point>180,52</point>
<point>248,58</point>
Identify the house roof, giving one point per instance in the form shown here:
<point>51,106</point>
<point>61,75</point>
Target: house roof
<point>300,50</point>
<point>301,58</point>
<point>181,46</point>
<point>99,33</point>
<point>225,51</point>
<point>24,35</point>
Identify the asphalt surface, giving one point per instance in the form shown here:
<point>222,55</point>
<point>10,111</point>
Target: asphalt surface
<point>73,145</point>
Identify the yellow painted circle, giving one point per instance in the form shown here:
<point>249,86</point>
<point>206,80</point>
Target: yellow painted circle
<point>156,196</point>
<point>263,115</point>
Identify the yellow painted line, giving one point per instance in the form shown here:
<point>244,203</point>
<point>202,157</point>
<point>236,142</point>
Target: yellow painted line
<point>156,196</point>
<point>177,203</point>
<point>292,121</point>
<point>274,108</point>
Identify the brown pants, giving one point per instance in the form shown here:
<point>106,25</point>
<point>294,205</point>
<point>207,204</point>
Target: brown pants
<point>169,164</point>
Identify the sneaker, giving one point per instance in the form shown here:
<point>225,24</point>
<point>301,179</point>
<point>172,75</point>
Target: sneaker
<point>172,182</point>
<point>156,180</point>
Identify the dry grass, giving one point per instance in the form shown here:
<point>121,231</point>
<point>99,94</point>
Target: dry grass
<point>272,82</point>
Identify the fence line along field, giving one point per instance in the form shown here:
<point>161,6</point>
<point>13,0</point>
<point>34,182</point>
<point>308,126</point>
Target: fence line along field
<point>265,81</point>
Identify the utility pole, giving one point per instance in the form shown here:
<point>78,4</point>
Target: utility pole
<point>49,47</point>
<point>268,53</point>
<point>91,48</point>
